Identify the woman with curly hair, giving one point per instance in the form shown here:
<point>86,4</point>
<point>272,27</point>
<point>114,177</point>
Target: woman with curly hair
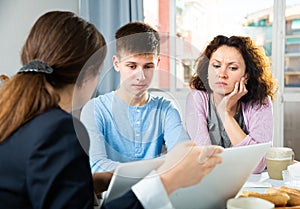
<point>230,102</point>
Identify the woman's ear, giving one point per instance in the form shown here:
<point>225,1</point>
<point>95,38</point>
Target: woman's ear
<point>246,76</point>
<point>116,62</point>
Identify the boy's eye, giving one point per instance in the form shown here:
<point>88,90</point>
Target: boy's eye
<point>149,66</point>
<point>131,66</point>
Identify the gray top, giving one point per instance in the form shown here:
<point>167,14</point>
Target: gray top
<point>217,133</point>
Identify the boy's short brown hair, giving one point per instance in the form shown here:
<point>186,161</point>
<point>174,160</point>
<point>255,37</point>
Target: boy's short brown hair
<point>137,38</point>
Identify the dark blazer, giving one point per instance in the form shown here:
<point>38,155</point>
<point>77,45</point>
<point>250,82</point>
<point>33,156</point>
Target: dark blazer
<point>44,166</point>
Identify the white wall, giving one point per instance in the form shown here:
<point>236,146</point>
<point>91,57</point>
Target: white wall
<point>16,20</point>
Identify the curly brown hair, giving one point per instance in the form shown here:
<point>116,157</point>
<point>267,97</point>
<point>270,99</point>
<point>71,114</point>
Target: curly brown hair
<point>260,84</point>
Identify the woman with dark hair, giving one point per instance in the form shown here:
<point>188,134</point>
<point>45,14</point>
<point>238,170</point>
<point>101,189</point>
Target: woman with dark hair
<point>230,102</point>
<point>43,164</point>
<point>43,149</point>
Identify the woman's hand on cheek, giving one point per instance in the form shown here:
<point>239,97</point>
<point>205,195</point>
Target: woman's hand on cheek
<point>229,102</point>
<point>238,92</point>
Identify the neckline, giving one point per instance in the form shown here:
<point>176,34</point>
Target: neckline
<point>134,106</point>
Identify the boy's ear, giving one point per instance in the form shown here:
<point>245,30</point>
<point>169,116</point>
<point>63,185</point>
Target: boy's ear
<point>116,63</point>
<point>158,60</point>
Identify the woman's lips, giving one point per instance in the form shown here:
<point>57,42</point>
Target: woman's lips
<point>219,83</point>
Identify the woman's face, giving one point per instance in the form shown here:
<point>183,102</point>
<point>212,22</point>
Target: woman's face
<point>226,67</point>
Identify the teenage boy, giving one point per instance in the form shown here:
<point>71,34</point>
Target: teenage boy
<point>130,124</point>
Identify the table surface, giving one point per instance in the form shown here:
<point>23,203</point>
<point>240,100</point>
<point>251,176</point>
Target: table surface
<point>260,182</point>
<point>256,183</point>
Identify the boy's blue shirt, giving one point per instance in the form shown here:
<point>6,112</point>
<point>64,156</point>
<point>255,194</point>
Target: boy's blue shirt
<point>122,133</point>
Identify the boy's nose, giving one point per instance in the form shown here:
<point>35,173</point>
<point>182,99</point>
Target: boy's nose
<point>140,74</point>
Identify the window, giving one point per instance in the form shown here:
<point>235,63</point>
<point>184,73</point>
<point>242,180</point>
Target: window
<point>295,26</point>
<point>188,25</point>
<point>193,23</point>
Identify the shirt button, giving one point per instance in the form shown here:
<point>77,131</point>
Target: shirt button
<point>137,134</point>
<point>138,110</point>
<point>138,122</point>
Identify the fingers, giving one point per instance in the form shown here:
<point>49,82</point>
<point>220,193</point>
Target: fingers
<point>209,151</point>
<point>242,85</point>
<point>212,162</point>
<point>205,153</point>
<point>243,90</point>
<point>218,149</point>
<point>235,90</point>
<point>182,168</point>
<point>239,89</point>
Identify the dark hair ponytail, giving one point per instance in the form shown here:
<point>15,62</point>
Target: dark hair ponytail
<point>23,97</point>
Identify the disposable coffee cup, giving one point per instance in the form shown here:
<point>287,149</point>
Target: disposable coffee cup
<point>249,203</point>
<point>278,159</point>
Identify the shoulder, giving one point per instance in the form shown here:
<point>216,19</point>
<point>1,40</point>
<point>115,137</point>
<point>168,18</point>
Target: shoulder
<point>253,107</point>
<point>197,95</point>
<point>103,98</point>
<point>55,119</point>
<point>51,118</point>
<point>98,103</point>
<point>43,127</point>
<point>167,101</point>
<point>56,127</point>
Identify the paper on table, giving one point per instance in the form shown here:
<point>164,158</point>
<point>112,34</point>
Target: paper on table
<point>257,184</point>
<point>258,181</point>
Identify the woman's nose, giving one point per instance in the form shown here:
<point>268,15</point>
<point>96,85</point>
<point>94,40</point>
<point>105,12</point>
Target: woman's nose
<point>221,72</point>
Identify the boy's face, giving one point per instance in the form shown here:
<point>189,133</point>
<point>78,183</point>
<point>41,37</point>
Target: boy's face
<point>136,71</point>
